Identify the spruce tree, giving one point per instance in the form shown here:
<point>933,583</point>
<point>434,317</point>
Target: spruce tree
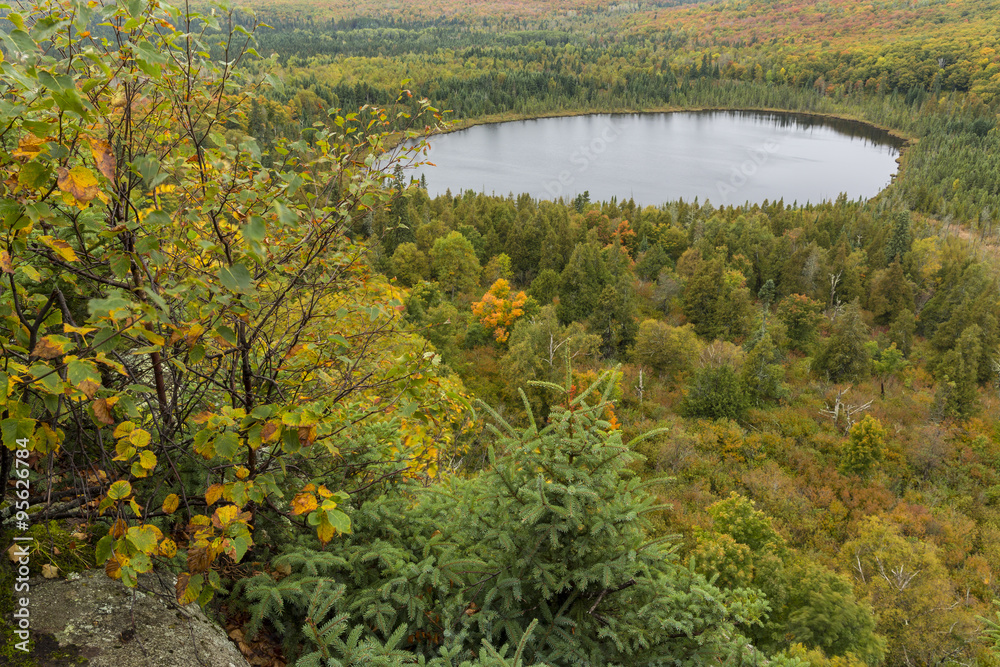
<point>844,357</point>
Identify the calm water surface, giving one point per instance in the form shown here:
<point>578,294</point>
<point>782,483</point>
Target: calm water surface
<point>727,157</point>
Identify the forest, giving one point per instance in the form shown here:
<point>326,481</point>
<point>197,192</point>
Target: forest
<point>367,426</point>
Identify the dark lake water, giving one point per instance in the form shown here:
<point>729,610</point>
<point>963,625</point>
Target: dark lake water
<point>727,157</point>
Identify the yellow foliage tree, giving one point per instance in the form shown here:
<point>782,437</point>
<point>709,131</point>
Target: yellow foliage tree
<point>499,308</point>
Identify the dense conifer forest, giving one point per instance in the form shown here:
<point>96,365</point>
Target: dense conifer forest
<point>367,426</point>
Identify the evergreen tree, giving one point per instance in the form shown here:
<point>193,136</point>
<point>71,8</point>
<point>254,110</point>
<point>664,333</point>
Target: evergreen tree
<point>581,283</point>
<point>762,373</point>
<point>958,393</point>
<point>715,392</point>
<point>716,301</point>
<point>547,551</point>
<point>545,287</point>
<point>616,320</point>
<point>844,357</point>
<point>901,239</point>
<point>902,331</point>
<point>889,294</point>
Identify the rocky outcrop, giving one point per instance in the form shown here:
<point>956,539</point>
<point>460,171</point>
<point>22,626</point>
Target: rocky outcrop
<point>88,619</point>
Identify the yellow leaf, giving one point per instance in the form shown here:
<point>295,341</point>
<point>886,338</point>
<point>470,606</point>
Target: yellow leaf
<point>170,503</point>
<point>103,157</point>
<point>168,548</point>
<point>50,571</point>
<point>80,183</point>
<point>303,502</point>
<point>325,531</point>
<point>154,338</point>
<point>6,265</point>
<point>70,329</point>
<point>213,494</point>
<point>139,437</point>
<point>325,492</point>
<point>225,516</point>
<point>123,429</point>
<point>147,460</point>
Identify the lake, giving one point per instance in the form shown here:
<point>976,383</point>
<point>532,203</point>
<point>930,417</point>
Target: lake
<point>727,157</point>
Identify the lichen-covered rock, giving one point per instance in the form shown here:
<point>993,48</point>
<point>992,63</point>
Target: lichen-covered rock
<point>89,620</point>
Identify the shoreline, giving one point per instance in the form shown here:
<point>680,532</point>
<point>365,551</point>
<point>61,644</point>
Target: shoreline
<point>494,119</point>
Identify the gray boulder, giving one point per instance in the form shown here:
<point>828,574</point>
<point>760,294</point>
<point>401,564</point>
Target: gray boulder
<point>89,620</point>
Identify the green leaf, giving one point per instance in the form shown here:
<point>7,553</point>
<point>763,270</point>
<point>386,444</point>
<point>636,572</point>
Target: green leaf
<point>147,51</point>
<point>339,520</point>
<point>18,41</point>
<point>120,490</point>
<point>286,216</point>
<point>104,547</point>
<point>80,371</point>
<point>227,334</point>
<point>236,278</point>
<point>114,307</point>
<point>197,353</point>
<point>33,175</point>
<point>143,538</point>
<point>226,445</point>
<point>255,229</point>
<point>149,168</point>
<point>120,264</point>
<point>147,244</point>
<point>262,412</point>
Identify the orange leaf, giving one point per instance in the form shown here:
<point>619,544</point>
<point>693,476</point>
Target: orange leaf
<point>80,183</point>
<point>50,347</point>
<point>5,262</point>
<point>89,388</point>
<point>104,158</point>
<point>269,431</point>
<point>198,559</point>
<point>102,411</point>
<point>113,568</point>
<point>29,146</point>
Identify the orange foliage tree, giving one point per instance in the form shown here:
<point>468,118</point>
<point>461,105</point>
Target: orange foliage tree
<point>499,308</point>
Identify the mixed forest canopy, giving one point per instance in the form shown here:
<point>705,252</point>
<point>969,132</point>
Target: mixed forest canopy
<point>367,426</point>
